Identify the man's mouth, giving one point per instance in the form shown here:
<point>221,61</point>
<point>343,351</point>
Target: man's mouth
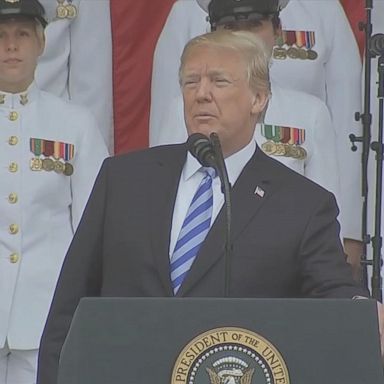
<point>12,60</point>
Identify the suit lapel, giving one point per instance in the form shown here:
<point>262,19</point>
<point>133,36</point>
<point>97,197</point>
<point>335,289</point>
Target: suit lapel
<point>255,185</point>
<point>164,184</point>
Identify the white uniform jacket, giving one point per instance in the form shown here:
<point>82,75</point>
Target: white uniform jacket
<point>334,76</point>
<point>41,208</point>
<point>77,61</point>
<point>312,131</point>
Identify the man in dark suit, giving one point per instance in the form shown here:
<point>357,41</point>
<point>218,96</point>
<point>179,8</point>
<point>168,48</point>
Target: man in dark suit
<point>285,234</point>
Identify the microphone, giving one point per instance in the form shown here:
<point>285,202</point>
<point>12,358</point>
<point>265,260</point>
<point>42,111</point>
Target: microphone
<point>209,154</point>
<point>376,44</point>
<point>226,190</point>
<point>202,149</point>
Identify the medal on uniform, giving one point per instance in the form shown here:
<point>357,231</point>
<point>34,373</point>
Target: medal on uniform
<point>36,164</point>
<point>271,146</point>
<point>35,146</point>
<point>57,156</point>
<point>59,166</point>
<point>309,43</point>
<point>302,154</point>
<point>297,138</point>
<point>64,151</point>
<point>279,53</point>
<point>280,149</point>
<point>68,169</point>
<point>300,45</point>
<point>292,51</point>
<point>2,98</point>
<point>283,141</point>
<point>48,164</point>
<point>300,41</point>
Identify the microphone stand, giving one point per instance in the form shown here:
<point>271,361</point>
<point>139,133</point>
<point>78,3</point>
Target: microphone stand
<point>365,139</point>
<point>226,190</point>
<point>377,146</point>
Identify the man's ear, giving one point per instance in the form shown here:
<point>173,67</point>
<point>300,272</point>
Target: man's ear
<point>259,102</point>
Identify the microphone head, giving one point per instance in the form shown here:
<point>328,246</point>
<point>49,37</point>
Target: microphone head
<point>202,149</point>
<point>376,44</point>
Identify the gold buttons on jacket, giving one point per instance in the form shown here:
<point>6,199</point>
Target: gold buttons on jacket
<point>12,198</point>
<point>13,229</point>
<point>13,167</point>
<point>13,140</point>
<point>14,258</point>
<point>13,116</point>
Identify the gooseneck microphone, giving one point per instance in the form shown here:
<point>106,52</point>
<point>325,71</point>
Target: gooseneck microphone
<point>209,154</point>
<point>226,190</point>
<point>202,149</point>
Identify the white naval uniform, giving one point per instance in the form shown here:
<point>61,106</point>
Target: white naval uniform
<point>39,210</point>
<point>284,109</point>
<point>77,60</point>
<point>334,77</point>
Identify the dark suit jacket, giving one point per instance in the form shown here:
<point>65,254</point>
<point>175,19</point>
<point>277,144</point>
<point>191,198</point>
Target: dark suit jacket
<point>285,244</point>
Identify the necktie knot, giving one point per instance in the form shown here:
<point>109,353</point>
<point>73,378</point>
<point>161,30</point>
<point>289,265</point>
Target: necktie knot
<point>209,171</point>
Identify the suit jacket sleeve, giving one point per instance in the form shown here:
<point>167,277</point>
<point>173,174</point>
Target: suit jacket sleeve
<point>80,277</point>
<point>324,270</point>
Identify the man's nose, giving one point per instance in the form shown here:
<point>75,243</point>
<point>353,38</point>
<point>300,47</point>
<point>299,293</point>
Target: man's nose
<point>204,90</point>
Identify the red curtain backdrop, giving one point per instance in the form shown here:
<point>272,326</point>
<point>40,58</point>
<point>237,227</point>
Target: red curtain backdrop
<point>136,25</point>
<point>355,10</point>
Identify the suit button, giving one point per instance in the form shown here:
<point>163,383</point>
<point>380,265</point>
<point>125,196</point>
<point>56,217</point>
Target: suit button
<point>13,140</point>
<point>14,258</point>
<point>13,167</point>
<point>13,116</point>
<point>13,229</point>
<point>12,198</point>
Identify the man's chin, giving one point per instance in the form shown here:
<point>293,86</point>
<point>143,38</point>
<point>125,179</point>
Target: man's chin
<point>205,129</point>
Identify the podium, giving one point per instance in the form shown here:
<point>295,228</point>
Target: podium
<point>214,341</point>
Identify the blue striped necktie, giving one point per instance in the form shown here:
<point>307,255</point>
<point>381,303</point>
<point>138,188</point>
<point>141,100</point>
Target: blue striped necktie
<point>193,231</point>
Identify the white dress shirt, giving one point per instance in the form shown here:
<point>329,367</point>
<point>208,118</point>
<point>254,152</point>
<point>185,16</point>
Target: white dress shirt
<point>190,179</point>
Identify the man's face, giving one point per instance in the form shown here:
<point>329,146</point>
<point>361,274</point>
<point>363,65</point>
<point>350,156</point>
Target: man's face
<point>20,48</point>
<point>217,97</point>
<point>264,29</point>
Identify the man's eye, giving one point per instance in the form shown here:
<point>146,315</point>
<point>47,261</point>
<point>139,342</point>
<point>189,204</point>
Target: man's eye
<point>190,82</point>
<point>221,81</point>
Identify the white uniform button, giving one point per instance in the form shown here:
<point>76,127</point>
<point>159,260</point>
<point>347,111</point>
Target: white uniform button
<point>13,116</point>
<point>13,140</point>
<point>13,167</point>
<point>13,229</point>
<point>14,258</point>
<point>12,198</point>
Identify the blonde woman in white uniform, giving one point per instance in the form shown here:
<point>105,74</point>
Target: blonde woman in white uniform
<point>50,154</point>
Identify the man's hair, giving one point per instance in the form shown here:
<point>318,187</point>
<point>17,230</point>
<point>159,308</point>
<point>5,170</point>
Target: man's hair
<point>246,43</point>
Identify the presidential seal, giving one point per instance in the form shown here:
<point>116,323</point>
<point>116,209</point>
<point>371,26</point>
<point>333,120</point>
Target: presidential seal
<point>230,356</point>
